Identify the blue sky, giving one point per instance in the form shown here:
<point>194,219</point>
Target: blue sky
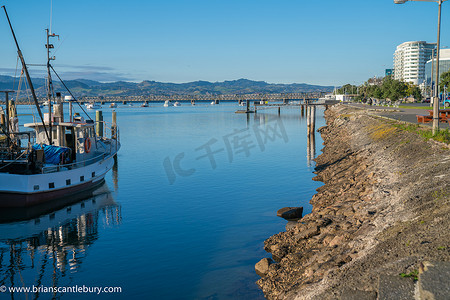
<point>324,42</point>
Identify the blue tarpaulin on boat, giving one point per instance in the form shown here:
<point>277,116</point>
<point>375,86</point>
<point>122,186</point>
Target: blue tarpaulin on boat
<point>53,153</point>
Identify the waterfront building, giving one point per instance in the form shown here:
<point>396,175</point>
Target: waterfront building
<point>444,65</point>
<point>410,59</point>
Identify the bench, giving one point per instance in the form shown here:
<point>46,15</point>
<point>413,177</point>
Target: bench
<point>424,119</point>
<point>444,116</point>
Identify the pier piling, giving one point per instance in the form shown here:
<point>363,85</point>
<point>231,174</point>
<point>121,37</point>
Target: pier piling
<point>313,118</point>
<point>114,125</point>
<point>99,122</point>
<point>311,135</point>
<point>308,119</point>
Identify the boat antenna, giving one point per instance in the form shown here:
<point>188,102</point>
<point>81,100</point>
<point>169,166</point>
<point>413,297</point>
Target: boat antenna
<point>30,84</point>
<point>51,12</point>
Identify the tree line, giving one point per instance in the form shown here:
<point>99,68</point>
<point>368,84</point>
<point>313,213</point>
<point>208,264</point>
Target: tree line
<point>389,88</point>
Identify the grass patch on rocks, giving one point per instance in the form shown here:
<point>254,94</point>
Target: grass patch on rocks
<point>442,136</point>
<point>413,274</point>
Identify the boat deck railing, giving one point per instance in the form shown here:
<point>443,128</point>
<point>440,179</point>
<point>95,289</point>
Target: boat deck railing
<point>75,165</point>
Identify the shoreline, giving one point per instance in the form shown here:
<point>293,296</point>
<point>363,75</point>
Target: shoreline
<point>383,210</point>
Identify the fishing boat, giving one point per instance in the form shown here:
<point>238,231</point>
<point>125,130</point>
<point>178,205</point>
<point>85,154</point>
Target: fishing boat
<point>54,158</point>
<point>145,104</point>
<point>166,103</point>
<point>113,105</point>
<point>177,104</point>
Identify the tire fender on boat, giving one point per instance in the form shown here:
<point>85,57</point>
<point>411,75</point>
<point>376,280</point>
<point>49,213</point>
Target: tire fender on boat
<point>87,145</point>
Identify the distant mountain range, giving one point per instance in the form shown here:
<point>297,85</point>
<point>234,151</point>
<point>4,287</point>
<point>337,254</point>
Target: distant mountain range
<point>90,88</point>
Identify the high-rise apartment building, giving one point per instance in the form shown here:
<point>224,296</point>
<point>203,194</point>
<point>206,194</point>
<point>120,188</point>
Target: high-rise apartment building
<point>410,59</point>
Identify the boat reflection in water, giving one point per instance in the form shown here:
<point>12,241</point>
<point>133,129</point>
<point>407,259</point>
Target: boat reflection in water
<point>41,248</point>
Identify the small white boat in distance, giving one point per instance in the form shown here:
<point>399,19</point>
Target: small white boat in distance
<point>145,104</point>
<point>166,103</point>
<point>177,104</point>
<point>213,103</point>
<point>113,105</point>
<point>93,105</point>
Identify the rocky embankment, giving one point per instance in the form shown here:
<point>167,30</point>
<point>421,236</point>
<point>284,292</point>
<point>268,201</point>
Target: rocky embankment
<point>383,210</point>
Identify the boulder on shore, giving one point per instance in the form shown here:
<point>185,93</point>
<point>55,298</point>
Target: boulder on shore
<point>290,213</point>
<point>262,267</point>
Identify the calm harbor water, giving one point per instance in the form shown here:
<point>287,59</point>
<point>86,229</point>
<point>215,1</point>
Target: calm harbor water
<point>183,214</point>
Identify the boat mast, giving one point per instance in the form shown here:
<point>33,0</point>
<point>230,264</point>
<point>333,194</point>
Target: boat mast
<point>49,78</point>
<point>25,69</point>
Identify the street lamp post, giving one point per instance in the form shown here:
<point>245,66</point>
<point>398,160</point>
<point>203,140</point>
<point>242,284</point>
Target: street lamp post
<point>432,73</point>
<point>436,92</point>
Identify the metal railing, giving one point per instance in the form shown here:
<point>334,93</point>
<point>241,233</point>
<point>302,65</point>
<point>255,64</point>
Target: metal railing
<point>71,166</point>
<point>110,131</point>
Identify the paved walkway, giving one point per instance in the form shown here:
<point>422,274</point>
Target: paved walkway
<point>402,114</point>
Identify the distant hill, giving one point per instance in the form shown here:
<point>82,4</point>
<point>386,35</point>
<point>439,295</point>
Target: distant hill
<point>91,88</point>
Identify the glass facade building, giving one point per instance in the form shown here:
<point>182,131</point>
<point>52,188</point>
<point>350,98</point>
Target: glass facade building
<point>444,66</point>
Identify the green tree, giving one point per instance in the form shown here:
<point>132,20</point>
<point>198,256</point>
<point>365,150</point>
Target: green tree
<point>347,89</point>
<point>445,80</point>
<point>414,90</point>
<point>394,89</point>
<point>377,92</point>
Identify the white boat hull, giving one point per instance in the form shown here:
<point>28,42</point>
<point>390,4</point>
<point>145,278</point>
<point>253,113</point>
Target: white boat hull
<point>27,190</point>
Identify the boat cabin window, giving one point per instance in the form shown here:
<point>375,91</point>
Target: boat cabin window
<point>85,132</point>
